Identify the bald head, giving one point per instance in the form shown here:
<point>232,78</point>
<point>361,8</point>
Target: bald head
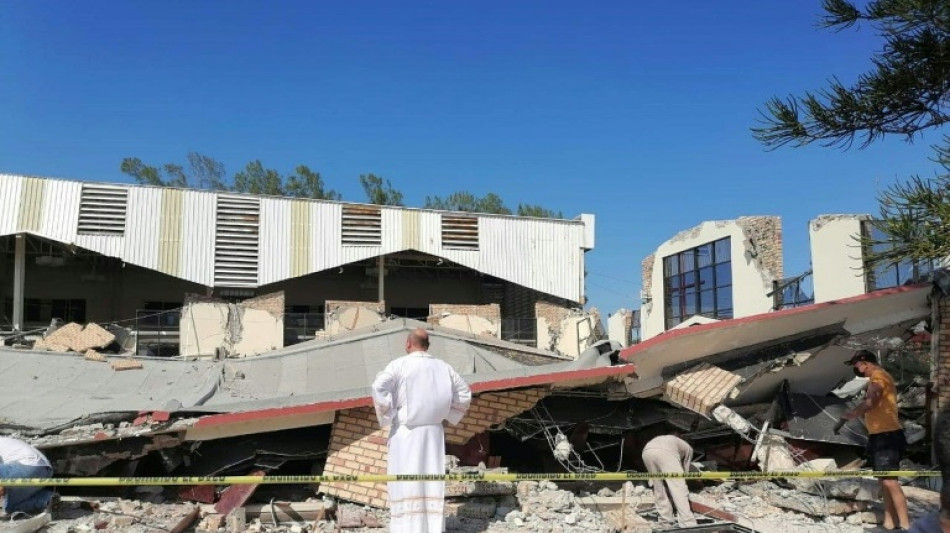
<point>418,340</point>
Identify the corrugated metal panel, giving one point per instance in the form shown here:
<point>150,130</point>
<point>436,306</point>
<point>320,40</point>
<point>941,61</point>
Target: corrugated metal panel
<point>300,238</point>
<point>542,255</point>
<point>31,205</point>
<point>169,233</point>
<point>197,250</point>
<point>237,240</point>
<point>411,230</point>
<point>10,187</point>
<point>430,227</point>
<point>392,230</point>
<point>62,210</point>
<point>142,225</point>
<point>326,250</point>
<point>109,245</point>
<point>275,240</point>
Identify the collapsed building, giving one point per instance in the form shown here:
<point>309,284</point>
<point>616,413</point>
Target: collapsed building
<point>255,388</point>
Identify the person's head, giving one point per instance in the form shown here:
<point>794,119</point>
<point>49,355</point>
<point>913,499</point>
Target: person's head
<point>418,340</point>
<point>863,361</point>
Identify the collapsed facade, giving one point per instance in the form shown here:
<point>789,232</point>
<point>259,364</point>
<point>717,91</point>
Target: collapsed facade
<point>743,385</point>
<point>108,253</point>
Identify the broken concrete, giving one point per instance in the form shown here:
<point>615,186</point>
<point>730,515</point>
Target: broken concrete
<point>251,327</point>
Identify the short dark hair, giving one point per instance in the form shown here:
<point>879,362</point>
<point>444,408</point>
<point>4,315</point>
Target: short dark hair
<point>862,355</point>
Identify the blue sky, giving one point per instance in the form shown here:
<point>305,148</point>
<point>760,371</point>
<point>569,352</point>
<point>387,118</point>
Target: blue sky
<point>637,112</point>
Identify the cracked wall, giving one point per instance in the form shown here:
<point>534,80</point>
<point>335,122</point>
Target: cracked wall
<point>251,327</point>
<point>756,255</point>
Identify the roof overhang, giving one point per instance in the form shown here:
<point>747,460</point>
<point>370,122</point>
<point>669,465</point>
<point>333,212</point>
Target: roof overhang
<point>731,340</point>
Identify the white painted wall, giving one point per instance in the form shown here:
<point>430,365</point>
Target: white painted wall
<point>837,266</point>
<point>617,328</point>
<point>750,282</point>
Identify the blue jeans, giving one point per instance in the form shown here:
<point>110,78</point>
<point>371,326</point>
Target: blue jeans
<point>25,499</point>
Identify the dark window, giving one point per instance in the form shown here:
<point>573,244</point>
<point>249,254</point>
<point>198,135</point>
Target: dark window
<point>160,314</point>
<point>880,275</point>
<point>417,313</point>
<point>698,281</point>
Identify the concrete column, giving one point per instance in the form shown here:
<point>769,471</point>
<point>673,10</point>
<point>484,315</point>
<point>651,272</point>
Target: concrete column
<point>381,264</point>
<point>19,281</point>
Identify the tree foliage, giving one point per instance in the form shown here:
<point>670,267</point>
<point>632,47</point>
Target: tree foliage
<point>204,172</point>
<point>490,203</point>
<point>466,201</point>
<point>906,92</point>
<point>379,191</point>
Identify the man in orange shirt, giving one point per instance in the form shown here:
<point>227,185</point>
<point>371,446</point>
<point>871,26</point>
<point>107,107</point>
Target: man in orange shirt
<point>886,441</point>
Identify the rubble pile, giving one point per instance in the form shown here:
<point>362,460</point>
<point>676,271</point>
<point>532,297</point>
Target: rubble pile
<point>127,516</point>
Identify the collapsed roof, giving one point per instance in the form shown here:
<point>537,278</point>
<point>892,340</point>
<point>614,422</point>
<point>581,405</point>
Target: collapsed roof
<point>44,390</point>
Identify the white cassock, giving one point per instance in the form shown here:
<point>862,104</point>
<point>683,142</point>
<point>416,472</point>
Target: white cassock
<point>414,394</point>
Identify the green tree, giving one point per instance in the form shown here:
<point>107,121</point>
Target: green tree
<point>204,172</point>
<point>256,179</point>
<point>906,93</point>
<point>466,201</point>
<point>529,210</point>
<point>379,191</point>
<point>305,183</point>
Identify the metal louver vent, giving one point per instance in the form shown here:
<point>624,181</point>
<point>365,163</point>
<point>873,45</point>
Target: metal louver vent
<point>460,232</point>
<point>236,241</point>
<point>362,225</point>
<point>102,210</point>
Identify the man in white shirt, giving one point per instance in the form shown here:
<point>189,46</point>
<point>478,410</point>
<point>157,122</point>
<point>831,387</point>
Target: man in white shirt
<point>413,395</point>
<point>20,460</point>
<point>668,453</point>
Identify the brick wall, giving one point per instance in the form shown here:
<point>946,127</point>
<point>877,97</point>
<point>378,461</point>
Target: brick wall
<point>553,314</point>
<point>358,444</point>
<point>490,312</point>
<point>647,271</point>
<point>766,234</point>
<point>942,379</point>
<point>273,303</point>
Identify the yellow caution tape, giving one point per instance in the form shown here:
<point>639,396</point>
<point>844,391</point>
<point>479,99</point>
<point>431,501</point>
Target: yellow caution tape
<point>476,476</point>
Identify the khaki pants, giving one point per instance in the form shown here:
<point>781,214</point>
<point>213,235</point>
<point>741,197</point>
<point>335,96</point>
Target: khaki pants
<point>664,490</point>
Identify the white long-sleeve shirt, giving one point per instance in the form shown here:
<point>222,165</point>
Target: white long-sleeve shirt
<point>419,389</point>
<point>18,452</point>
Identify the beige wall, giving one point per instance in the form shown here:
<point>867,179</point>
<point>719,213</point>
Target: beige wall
<point>756,249</point>
<point>837,265</point>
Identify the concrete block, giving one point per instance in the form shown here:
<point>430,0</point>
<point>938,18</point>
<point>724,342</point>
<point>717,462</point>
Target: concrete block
<point>125,364</point>
<point>92,336</point>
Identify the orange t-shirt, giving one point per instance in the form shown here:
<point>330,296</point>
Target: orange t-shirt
<point>883,417</point>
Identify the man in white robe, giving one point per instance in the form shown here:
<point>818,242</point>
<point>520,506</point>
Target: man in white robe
<point>414,395</point>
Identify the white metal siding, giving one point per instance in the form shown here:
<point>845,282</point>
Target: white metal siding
<point>61,210</point>
<point>326,230</point>
<point>109,245</point>
<point>392,230</point>
<point>545,255</point>
<point>9,203</point>
<point>143,227</point>
<point>275,240</point>
<point>197,246</point>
